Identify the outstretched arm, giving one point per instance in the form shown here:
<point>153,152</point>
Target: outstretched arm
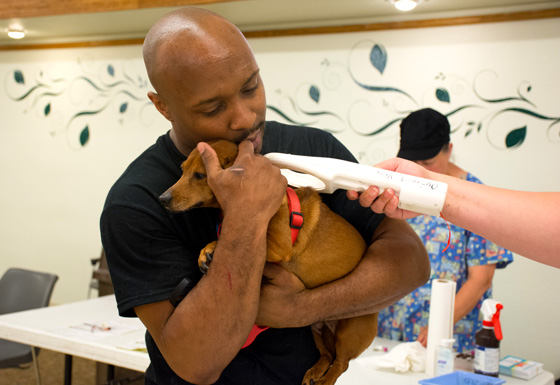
<point>523,222</point>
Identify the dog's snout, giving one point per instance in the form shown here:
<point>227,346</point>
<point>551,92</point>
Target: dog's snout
<point>166,198</point>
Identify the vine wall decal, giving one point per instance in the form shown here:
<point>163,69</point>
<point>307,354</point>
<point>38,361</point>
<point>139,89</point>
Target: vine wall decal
<point>470,105</point>
<point>359,92</point>
<point>68,102</point>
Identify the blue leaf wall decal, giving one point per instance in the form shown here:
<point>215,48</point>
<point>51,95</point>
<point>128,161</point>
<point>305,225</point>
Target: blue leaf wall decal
<point>47,109</point>
<point>123,107</point>
<point>111,70</point>
<point>516,137</point>
<point>442,95</point>
<point>378,57</point>
<point>18,76</point>
<point>314,93</point>
<point>84,136</point>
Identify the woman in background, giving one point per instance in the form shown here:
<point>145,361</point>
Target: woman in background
<point>455,253</point>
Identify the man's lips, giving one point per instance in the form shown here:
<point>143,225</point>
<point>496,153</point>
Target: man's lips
<point>255,139</point>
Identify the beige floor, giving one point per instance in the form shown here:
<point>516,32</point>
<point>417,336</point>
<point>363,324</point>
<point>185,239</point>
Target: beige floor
<point>51,366</point>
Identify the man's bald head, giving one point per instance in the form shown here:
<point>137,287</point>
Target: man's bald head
<point>186,37</point>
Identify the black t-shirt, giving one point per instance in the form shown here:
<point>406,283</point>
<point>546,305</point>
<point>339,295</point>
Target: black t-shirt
<point>150,250</point>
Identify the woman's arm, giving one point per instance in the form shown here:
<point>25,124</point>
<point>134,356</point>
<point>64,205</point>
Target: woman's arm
<point>523,222</point>
<point>479,281</point>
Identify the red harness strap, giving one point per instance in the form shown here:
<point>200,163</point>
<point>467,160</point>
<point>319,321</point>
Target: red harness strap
<point>296,217</point>
<point>296,222</point>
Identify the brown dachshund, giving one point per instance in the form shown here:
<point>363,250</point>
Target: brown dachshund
<point>327,248</point>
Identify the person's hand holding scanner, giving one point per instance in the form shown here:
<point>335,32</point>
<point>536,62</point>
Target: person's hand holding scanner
<point>387,202</point>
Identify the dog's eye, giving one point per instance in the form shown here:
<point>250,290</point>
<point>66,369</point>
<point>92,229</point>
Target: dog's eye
<point>199,175</point>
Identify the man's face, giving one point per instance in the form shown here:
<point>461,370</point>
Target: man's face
<point>218,97</point>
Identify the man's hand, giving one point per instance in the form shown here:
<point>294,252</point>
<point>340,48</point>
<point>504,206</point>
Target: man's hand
<point>387,203</point>
<point>253,184</point>
<point>279,291</point>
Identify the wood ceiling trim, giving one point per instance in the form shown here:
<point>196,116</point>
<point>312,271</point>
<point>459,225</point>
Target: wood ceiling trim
<point>10,9</point>
<point>427,23</point>
<point>502,17</point>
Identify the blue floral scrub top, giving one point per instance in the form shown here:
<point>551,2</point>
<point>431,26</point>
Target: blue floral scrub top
<point>403,320</point>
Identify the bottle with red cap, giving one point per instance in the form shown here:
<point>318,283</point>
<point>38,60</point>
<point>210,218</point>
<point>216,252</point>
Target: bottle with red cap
<point>487,352</point>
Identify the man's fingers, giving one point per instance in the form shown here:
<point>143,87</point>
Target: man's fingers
<point>209,158</point>
<point>245,147</point>
<point>278,276</point>
<point>272,271</point>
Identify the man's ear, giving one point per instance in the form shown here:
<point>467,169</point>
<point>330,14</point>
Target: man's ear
<point>160,105</point>
<point>450,148</point>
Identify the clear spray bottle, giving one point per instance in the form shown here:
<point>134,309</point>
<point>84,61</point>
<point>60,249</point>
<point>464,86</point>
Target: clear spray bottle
<point>487,352</point>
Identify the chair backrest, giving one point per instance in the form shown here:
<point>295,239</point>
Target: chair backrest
<point>22,289</point>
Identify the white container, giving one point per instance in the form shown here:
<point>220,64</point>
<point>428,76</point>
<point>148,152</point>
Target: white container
<point>444,357</point>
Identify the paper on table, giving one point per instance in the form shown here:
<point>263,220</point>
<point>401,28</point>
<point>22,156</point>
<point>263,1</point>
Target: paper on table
<point>136,346</point>
<point>96,329</point>
<point>402,358</point>
<point>440,324</point>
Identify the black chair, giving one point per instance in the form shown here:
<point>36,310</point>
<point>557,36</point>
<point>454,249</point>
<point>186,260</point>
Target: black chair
<point>23,290</point>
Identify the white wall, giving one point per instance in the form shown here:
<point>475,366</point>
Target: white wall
<point>54,187</point>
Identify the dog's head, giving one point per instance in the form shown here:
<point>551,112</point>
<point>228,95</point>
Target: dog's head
<point>192,189</point>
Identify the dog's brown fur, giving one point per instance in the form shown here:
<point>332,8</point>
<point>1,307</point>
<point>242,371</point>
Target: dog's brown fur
<point>327,248</point>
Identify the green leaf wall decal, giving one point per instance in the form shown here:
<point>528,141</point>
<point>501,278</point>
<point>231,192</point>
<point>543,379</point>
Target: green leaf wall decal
<point>516,137</point>
<point>84,136</point>
<point>314,93</point>
<point>378,57</point>
<point>18,76</point>
<point>443,95</point>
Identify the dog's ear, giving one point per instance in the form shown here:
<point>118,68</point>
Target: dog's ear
<point>227,152</point>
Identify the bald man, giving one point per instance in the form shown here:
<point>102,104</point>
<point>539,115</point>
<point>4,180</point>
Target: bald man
<point>207,85</point>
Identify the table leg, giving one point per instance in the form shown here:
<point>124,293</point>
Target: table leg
<point>68,369</point>
<point>110,374</point>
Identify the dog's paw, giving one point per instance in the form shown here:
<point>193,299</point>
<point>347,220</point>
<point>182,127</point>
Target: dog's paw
<point>205,265</point>
<point>316,374</point>
<point>205,257</point>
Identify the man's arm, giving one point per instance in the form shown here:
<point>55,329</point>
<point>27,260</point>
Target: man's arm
<point>394,264</point>
<point>523,222</point>
<point>205,332</point>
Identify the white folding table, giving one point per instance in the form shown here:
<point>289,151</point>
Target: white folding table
<point>66,329</point>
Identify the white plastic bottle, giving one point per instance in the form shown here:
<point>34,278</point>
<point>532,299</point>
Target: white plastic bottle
<point>444,357</point>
